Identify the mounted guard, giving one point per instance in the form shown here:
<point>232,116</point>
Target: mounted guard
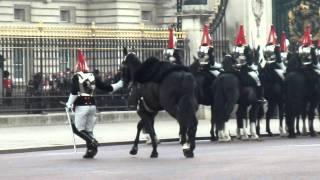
<point>275,60</point>
<point>245,63</point>
<point>206,54</point>
<point>171,53</point>
<point>82,100</point>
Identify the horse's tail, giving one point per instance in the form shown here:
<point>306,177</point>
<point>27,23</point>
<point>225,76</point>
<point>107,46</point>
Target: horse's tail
<point>226,96</point>
<point>294,97</point>
<point>188,105</point>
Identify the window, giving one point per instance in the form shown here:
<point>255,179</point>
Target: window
<point>146,16</point>
<point>194,2</point>
<point>18,63</point>
<point>19,14</point>
<point>65,16</point>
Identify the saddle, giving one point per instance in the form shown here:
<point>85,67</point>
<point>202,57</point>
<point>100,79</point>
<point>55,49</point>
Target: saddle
<point>154,70</point>
<point>244,78</point>
<point>270,75</point>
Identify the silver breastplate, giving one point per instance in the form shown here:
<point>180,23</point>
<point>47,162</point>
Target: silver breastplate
<point>87,84</point>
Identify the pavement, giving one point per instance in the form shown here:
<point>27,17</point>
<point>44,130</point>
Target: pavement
<point>272,158</point>
<point>33,138</point>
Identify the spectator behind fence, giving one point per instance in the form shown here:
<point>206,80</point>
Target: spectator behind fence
<point>7,84</point>
<point>33,101</point>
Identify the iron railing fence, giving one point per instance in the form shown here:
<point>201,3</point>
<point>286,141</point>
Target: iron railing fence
<point>41,60</point>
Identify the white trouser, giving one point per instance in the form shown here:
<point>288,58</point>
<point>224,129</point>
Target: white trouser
<point>280,73</point>
<point>85,117</point>
<point>317,71</point>
<point>215,72</point>
<point>254,75</point>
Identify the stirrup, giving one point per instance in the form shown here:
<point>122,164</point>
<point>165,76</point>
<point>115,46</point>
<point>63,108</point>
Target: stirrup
<point>262,100</point>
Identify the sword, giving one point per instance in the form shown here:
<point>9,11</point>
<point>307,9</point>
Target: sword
<point>70,125</point>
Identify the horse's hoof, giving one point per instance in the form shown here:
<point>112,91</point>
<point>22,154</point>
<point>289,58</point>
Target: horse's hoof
<point>313,134</point>
<point>298,133</point>
<point>188,153</point>
<point>244,137</point>
<point>134,151</point>
<point>292,136</point>
<point>154,154</point>
<point>224,139</point>
<point>255,137</point>
<point>270,133</point>
<point>213,138</point>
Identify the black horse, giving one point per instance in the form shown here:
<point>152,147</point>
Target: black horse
<point>164,87</point>
<point>230,89</point>
<point>273,84</point>
<point>302,91</point>
<point>205,90</point>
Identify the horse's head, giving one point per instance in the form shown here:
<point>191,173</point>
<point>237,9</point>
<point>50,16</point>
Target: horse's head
<point>129,66</point>
<point>195,66</point>
<point>229,62</point>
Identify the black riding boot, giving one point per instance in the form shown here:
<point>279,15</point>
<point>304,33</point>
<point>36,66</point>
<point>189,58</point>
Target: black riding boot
<point>260,95</point>
<point>92,145</point>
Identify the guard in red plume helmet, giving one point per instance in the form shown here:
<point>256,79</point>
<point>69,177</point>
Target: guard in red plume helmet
<point>7,84</point>
<point>205,41</point>
<point>81,99</point>
<point>272,39</point>
<point>272,42</point>
<point>307,37</point>
<point>306,47</point>
<point>82,63</point>
<point>206,54</point>
<point>284,42</point>
<point>170,52</point>
<point>206,38</point>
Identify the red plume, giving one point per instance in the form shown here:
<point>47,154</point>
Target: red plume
<point>272,36</point>
<point>306,41</point>
<point>171,44</point>
<point>240,39</point>
<point>206,39</point>
<point>283,45</point>
<point>319,43</point>
<point>82,64</point>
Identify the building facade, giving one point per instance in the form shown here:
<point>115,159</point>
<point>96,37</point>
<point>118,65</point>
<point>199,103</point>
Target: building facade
<point>120,13</point>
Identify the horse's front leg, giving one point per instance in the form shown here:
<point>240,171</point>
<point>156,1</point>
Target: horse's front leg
<point>149,126</point>
<point>192,130</point>
<point>311,115</point>
<point>282,128</point>
<point>241,122</point>
<point>253,117</point>
<point>270,112</point>
<point>134,149</point>
<point>213,133</point>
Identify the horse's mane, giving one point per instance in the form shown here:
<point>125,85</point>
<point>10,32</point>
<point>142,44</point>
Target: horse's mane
<point>155,70</point>
<point>293,62</point>
<point>133,58</point>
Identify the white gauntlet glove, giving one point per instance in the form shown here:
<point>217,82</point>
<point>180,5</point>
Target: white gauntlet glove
<point>117,85</point>
<point>70,102</point>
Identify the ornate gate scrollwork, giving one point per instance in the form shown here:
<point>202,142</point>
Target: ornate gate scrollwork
<point>294,15</point>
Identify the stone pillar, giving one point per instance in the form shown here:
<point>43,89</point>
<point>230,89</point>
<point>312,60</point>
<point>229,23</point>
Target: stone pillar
<point>194,15</point>
<point>192,26</point>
